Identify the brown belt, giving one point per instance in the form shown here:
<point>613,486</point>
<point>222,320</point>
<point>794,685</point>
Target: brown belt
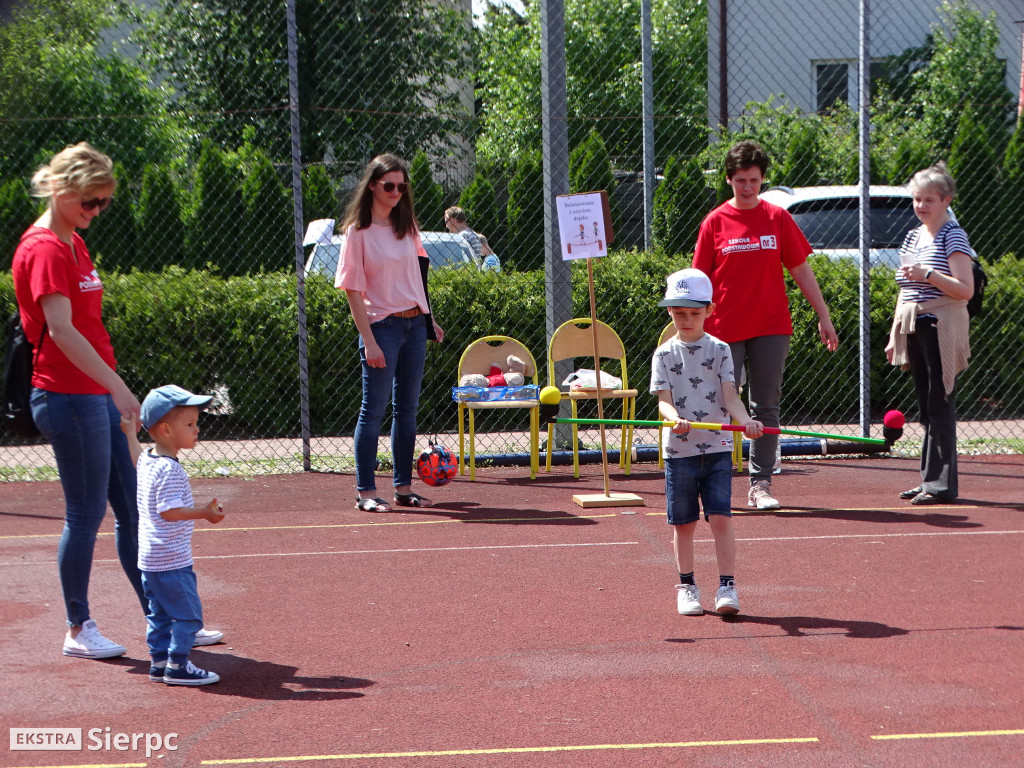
<point>408,313</point>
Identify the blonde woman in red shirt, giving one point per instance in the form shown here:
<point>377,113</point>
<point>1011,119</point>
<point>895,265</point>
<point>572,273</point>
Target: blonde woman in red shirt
<point>78,398</point>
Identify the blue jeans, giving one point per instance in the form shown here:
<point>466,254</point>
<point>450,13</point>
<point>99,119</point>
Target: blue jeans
<point>175,613</point>
<point>707,477</point>
<point>94,466</point>
<point>404,344</point>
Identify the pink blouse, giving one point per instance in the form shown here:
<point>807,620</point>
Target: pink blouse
<point>384,269</point>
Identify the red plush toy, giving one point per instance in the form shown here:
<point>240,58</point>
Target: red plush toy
<point>496,378</point>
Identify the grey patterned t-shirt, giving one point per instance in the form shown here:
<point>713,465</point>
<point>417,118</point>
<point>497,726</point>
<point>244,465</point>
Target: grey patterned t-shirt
<point>695,373</point>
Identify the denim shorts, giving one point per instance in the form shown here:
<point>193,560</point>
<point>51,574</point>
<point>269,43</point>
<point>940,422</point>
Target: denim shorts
<point>707,477</point>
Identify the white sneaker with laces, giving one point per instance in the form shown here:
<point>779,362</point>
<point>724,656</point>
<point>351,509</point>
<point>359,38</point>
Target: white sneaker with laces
<point>90,644</point>
<point>727,601</point>
<point>688,600</point>
<point>760,495</point>
<point>207,637</point>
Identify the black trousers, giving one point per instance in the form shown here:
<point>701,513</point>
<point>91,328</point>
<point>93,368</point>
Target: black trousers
<point>938,411</point>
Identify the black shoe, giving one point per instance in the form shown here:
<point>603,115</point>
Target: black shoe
<point>930,498</point>
<point>911,493</point>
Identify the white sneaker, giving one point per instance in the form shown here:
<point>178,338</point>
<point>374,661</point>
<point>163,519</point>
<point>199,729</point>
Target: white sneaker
<point>688,600</point>
<point>90,644</point>
<point>727,601</point>
<point>760,495</point>
<point>207,637</point>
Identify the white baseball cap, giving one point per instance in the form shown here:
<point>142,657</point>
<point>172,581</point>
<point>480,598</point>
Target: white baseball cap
<point>160,401</point>
<point>687,288</point>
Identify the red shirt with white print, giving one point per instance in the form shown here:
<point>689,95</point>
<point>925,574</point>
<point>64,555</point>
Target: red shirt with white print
<point>43,265</point>
<point>744,252</point>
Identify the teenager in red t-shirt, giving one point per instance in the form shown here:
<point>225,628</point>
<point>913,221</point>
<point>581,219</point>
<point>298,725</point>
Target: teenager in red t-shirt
<point>743,246</point>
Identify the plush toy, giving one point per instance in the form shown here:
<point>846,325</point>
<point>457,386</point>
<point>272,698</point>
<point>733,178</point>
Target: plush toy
<point>513,375</point>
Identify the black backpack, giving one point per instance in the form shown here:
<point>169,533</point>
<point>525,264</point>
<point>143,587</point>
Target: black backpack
<point>980,278</point>
<point>19,358</point>
<point>980,281</point>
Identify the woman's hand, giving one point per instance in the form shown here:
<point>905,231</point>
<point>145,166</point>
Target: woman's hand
<point>125,401</point>
<point>827,333</point>
<point>374,354</point>
<point>438,332</point>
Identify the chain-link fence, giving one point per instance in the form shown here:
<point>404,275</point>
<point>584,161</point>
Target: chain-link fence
<point>234,124</point>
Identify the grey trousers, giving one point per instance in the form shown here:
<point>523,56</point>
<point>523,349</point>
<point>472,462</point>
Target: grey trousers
<point>765,358</point>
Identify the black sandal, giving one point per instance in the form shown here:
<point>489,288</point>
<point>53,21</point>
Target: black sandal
<point>911,493</point>
<point>411,500</point>
<point>372,505</point>
<point>929,498</point>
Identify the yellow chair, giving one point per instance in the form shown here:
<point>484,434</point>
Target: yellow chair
<point>575,339</point>
<point>737,437</point>
<point>477,358</point>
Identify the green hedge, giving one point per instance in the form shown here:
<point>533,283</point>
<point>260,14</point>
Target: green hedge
<point>206,332</point>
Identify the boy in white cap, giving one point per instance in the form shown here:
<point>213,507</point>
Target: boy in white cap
<point>166,519</point>
<point>692,375</point>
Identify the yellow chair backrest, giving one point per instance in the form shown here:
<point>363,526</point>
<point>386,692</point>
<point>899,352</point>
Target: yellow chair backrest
<point>482,353</point>
<point>575,338</point>
<point>667,333</point>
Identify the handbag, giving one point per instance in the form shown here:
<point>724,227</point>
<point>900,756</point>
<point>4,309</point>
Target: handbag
<point>19,359</point>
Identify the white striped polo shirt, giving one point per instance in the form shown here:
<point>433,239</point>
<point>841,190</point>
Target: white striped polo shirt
<point>163,485</point>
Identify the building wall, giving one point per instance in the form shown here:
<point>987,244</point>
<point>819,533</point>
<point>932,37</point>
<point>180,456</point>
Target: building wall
<point>773,46</point>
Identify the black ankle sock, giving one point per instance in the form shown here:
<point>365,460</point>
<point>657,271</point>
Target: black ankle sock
<point>686,578</point>
<point>726,581</point>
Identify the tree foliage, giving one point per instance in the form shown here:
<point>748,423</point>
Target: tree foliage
<point>604,77</point>
<point>319,200</point>
<point>427,193</point>
<point>681,199</point>
<point>161,228</point>
<point>525,248</point>
<point>480,202</point>
<point>17,212</point>
<point>356,61</point>
<point>56,89</point>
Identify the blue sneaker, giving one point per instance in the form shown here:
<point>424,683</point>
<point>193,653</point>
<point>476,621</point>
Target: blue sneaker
<point>156,673</point>
<point>189,674</point>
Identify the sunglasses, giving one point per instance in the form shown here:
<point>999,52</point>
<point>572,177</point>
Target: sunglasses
<point>389,187</point>
<point>97,202</point>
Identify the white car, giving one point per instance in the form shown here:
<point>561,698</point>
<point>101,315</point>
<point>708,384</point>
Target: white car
<point>829,218</point>
<point>444,249</point>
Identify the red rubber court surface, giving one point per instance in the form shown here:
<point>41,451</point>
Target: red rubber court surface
<point>510,627</point>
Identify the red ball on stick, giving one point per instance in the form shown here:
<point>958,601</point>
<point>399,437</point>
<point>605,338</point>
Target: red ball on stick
<point>894,419</point>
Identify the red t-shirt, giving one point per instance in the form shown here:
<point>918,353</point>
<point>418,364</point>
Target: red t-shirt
<point>743,252</point>
<point>44,264</point>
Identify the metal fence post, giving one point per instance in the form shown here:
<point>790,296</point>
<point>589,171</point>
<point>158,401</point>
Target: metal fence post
<point>864,217</point>
<point>300,269</point>
<point>646,56</point>
<point>554,100</point>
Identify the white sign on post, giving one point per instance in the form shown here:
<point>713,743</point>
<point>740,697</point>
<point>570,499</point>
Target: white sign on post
<point>584,224</point>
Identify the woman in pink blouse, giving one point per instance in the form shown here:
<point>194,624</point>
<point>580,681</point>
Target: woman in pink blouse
<point>382,270</point>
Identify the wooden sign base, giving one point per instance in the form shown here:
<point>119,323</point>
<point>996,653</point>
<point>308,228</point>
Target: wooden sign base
<point>608,500</point>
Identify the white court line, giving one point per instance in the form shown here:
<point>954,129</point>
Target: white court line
<point>879,535</point>
<point>415,549</point>
<point>373,551</point>
<point>564,545</point>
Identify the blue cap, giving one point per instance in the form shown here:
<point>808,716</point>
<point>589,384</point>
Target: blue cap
<point>160,401</point>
